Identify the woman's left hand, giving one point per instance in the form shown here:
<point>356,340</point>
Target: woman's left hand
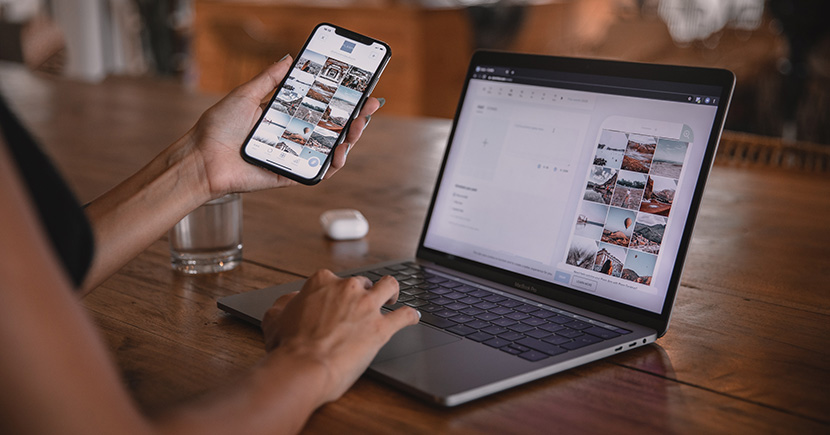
<point>220,132</point>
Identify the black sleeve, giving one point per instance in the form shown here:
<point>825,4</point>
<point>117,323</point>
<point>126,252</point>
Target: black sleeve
<point>60,213</point>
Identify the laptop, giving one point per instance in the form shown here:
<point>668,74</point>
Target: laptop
<point>558,226</point>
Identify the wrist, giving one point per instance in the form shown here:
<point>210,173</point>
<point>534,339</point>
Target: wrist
<point>184,157</point>
<point>307,369</point>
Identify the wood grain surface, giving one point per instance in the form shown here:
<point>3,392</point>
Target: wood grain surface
<point>748,349</point>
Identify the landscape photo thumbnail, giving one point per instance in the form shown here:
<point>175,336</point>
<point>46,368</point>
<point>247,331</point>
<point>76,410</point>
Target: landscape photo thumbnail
<point>610,259</point>
<point>668,158</point>
<point>648,233</point>
<point>619,226</point>
<point>357,79</point>
<point>582,252</point>
<point>591,220</point>
<point>629,190</point>
<point>639,267</point>
<point>311,62</point>
<point>658,195</point>
<point>611,149</point>
<point>601,183</point>
<point>639,152</point>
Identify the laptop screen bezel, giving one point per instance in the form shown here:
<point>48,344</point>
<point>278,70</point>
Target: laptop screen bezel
<point>720,78</point>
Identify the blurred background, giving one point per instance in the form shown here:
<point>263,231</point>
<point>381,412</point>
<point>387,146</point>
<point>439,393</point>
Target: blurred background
<point>779,49</point>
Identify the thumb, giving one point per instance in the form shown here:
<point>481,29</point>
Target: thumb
<point>265,82</point>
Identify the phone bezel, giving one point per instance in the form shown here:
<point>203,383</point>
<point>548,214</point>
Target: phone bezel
<point>349,34</point>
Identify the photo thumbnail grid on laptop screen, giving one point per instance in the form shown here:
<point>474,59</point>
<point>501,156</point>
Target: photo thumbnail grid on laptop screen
<point>575,182</point>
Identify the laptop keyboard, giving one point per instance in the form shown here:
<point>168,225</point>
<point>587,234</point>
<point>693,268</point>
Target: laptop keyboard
<point>512,326</point>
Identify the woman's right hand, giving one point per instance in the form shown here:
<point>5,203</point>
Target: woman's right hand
<point>336,323</point>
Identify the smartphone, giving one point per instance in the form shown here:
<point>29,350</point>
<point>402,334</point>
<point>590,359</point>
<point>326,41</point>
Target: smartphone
<point>311,110</point>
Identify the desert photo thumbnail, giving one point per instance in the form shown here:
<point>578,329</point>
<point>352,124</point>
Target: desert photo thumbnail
<point>648,233</point>
<point>334,70</point>
<point>639,267</point>
<point>658,195</point>
<point>611,149</point>
<point>340,108</point>
<point>298,131</point>
<point>322,90</point>
<point>601,183</point>
<point>322,140</point>
<point>610,259</point>
<point>310,110</point>
<point>619,226</point>
<point>638,153</point>
<point>357,79</point>
<point>668,158</point>
<point>591,220</point>
<point>629,190</point>
<point>311,62</point>
<point>582,252</point>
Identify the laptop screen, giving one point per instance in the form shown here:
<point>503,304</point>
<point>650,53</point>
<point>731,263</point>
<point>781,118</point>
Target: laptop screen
<point>581,180</point>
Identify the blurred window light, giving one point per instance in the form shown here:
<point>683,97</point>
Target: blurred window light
<point>693,20</point>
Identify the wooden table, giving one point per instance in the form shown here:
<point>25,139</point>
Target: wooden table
<point>748,349</point>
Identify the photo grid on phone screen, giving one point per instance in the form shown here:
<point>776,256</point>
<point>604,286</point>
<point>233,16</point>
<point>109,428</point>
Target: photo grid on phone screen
<point>313,106</point>
<point>626,204</point>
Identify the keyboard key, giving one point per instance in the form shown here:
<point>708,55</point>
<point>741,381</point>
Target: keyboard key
<point>533,321</point>
<point>397,267</point>
<point>441,301</point>
<point>601,332</point>
<point>485,305</point>
<point>405,298</point>
<point>479,293</point>
<point>509,303</point>
<point>510,350</point>
<point>504,322</point>
<point>579,324</point>
<point>488,316</point>
<point>560,319</point>
<point>570,333</point>
<point>581,341</point>
<point>462,318</point>
<point>495,298</point>
<point>412,281</point>
<point>517,316</point>
<point>472,311</point>
<point>537,333</point>
<point>451,284</point>
<point>519,347</point>
<point>465,288</point>
<point>436,321</point>
<point>501,311</point>
<point>431,308</point>
<point>551,327</point>
<point>455,295</point>
<point>469,300</point>
<point>478,324</point>
<point>511,335</point>
<point>541,346</point>
<point>556,339</point>
<point>456,306</point>
<point>525,308</point>
<point>417,303</point>
<point>436,279</point>
<point>479,336</point>
<point>493,329</point>
<point>440,291</point>
<point>543,314</point>
<point>461,330</point>
<point>414,291</point>
<point>427,286</point>
<point>496,342</point>
<point>533,356</point>
<point>520,327</point>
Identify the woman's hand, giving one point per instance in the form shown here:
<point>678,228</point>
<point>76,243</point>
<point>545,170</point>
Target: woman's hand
<point>220,132</point>
<point>336,323</point>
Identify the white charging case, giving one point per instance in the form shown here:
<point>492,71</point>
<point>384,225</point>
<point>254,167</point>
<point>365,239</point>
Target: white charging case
<point>344,224</point>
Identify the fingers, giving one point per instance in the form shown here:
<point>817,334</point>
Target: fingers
<point>355,131</point>
<point>401,318</point>
<point>385,291</point>
<point>265,82</point>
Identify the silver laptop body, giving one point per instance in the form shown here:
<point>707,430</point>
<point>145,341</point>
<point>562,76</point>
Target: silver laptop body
<point>567,194</point>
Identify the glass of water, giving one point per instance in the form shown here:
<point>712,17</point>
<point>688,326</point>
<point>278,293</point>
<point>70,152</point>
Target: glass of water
<point>209,239</point>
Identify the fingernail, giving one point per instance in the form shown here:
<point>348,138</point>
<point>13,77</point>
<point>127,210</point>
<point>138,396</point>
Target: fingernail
<point>348,148</point>
<point>382,101</point>
<point>283,58</point>
<point>368,119</point>
<point>419,314</point>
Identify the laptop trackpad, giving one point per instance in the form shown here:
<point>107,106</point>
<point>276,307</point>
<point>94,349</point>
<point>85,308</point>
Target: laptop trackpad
<point>413,339</point>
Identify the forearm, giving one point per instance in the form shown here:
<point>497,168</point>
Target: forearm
<point>278,396</point>
<point>138,211</point>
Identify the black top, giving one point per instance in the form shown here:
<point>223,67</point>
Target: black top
<point>60,213</point>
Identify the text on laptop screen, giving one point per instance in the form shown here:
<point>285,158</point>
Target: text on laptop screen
<point>574,179</point>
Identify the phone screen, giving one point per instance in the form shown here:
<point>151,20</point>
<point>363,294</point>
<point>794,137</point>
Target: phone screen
<point>310,113</point>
